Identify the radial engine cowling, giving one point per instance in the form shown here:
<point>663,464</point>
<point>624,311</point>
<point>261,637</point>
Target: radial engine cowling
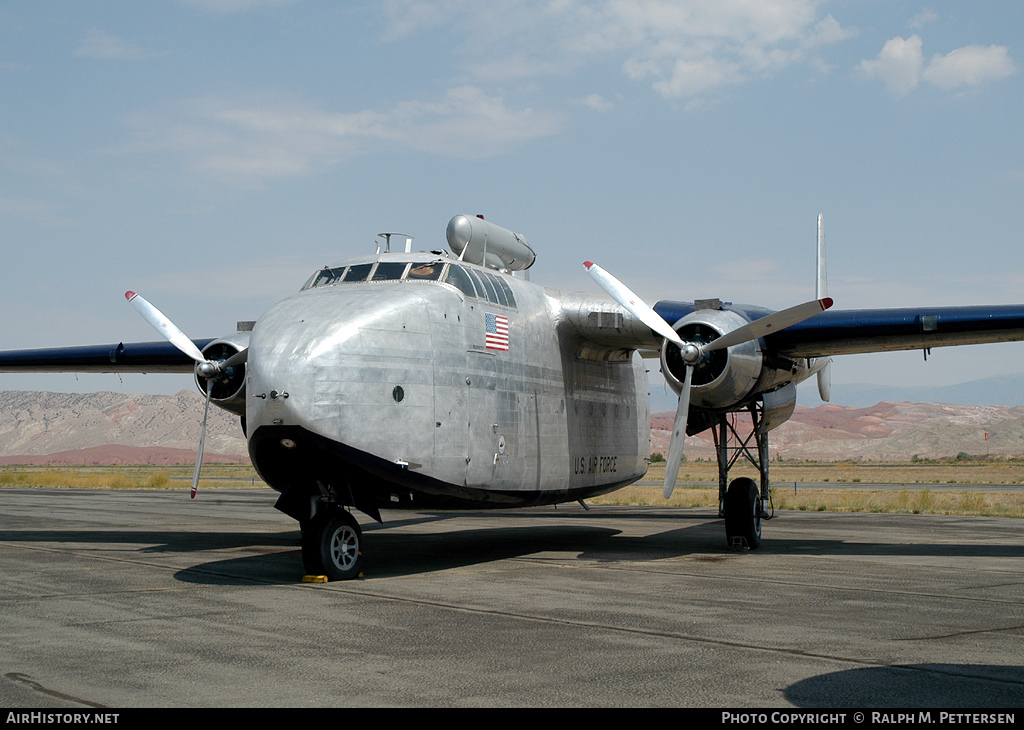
<point>228,386</point>
<point>722,378</point>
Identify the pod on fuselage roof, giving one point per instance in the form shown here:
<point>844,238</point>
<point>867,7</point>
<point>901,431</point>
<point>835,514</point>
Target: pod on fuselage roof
<point>479,238</point>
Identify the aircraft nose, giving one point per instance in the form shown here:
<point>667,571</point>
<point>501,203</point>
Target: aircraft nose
<point>352,366</point>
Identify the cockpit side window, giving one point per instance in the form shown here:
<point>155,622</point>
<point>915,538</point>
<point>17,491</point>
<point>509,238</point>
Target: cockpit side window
<point>480,291</point>
<point>508,291</point>
<point>310,280</point>
<point>488,287</point>
<point>495,282</point>
<point>457,277</point>
<point>325,277</point>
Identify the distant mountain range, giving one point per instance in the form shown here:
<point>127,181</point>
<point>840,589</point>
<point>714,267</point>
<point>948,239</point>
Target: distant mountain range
<point>109,428</point>
<point>998,390</point>
<point>885,431</point>
<point>160,428</point>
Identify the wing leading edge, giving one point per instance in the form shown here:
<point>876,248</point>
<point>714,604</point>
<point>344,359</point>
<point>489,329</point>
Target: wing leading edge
<point>854,331</point>
<point>134,357</point>
<point>843,332</point>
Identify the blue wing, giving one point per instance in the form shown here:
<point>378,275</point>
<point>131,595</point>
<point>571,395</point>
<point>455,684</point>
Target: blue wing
<point>134,357</point>
<point>853,331</point>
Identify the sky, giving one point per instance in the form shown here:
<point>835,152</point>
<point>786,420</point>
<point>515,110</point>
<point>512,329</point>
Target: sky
<point>210,154</point>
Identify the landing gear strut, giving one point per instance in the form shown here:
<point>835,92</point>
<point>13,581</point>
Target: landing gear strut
<point>742,503</point>
<point>332,544</point>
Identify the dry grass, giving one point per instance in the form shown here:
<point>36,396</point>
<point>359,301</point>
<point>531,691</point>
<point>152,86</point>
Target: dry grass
<point>648,496</point>
<point>900,501</point>
<point>220,476</point>
<point>950,472</point>
<point>904,501</point>
<point>698,487</point>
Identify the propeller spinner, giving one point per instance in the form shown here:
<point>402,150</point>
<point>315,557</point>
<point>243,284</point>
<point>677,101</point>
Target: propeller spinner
<point>693,352</point>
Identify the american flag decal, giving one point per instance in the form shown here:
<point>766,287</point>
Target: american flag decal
<point>496,329</point>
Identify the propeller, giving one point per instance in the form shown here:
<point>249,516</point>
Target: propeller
<point>207,369</point>
<point>693,352</point>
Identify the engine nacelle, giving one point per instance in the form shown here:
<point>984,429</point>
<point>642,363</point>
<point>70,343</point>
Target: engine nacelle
<point>481,242</point>
<point>722,378</point>
<point>229,386</point>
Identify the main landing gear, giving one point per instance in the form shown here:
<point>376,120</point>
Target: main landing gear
<point>743,504</point>
<point>742,515</point>
<point>331,545</point>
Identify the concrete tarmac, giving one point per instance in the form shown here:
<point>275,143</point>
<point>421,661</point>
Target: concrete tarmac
<point>147,599</point>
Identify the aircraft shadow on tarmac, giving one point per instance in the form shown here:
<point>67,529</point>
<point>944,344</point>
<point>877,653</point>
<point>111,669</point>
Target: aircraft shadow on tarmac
<point>590,536</point>
<point>914,685</point>
<point>400,554</point>
<point>588,539</point>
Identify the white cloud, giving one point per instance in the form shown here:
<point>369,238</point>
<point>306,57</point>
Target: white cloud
<point>827,30</point>
<point>247,143</point>
<point>923,18</point>
<point>969,66</point>
<point>699,48</point>
<point>100,44</point>
<point>682,49</point>
<point>597,102</point>
<point>900,65</point>
<point>690,78</point>
<point>465,123</point>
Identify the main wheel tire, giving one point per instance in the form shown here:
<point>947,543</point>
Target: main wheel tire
<point>742,523</point>
<point>332,545</point>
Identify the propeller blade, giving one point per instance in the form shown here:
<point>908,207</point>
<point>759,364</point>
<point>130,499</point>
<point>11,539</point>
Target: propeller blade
<point>821,290</point>
<point>767,325</point>
<point>825,381</point>
<point>237,359</point>
<point>202,439</point>
<point>675,447</point>
<point>164,326</point>
<point>633,304</point>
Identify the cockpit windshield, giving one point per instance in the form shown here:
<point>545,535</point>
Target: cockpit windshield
<point>426,272</point>
<point>389,270</point>
<point>472,282</point>
<point>359,272</point>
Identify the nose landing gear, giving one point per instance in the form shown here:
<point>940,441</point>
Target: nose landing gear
<point>332,545</point>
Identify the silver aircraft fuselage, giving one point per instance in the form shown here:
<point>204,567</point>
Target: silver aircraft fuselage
<point>407,393</point>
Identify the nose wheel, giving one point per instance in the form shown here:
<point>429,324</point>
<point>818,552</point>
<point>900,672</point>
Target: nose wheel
<point>332,545</point>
